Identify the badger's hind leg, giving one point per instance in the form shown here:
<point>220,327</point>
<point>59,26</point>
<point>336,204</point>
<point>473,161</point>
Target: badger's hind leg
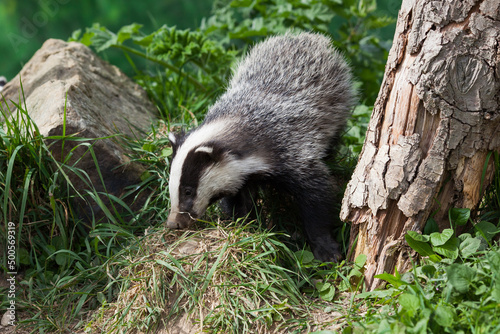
<point>315,199</point>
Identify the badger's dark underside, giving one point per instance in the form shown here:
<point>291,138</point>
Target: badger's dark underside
<point>314,205</point>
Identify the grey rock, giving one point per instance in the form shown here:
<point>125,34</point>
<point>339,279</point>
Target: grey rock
<point>99,100</point>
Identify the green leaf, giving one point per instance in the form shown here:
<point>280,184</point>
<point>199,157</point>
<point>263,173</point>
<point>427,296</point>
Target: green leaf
<point>326,291</point>
<point>464,236</point>
<point>494,261</point>
<point>469,246</point>
<point>438,239</point>
<point>460,277</point>
<point>375,294</point>
<point>396,282</point>
<point>75,36</point>
<point>421,325</point>
<point>486,229</point>
<point>61,258</point>
<point>360,260</point>
<point>355,273</point>
<point>429,270</point>
<point>24,256</point>
<point>449,249</point>
<point>435,258</point>
<point>384,327</point>
<point>431,226</point>
<point>102,38</point>
<point>459,216</point>
<point>409,302</point>
<point>417,236</point>
<point>495,293</point>
<point>145,175</point>
<point>166,152</point>
<point>51,249</point>
<point>444,315</point>
<point>304,257</point>
<point>126,32</point>
<point>344,285</point>
<point>422,248</point>
<point>101,298</point>
<point>148,147</point>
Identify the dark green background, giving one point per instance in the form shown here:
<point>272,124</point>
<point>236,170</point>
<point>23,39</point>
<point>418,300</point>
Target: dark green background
<point>25,25</point>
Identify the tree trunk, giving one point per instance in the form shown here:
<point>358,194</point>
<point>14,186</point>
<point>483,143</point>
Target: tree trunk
<point>436,119</point>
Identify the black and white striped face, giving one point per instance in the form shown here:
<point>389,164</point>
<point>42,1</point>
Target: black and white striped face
<point>204,169</point>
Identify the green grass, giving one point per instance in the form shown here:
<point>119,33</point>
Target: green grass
<point>57,258</point>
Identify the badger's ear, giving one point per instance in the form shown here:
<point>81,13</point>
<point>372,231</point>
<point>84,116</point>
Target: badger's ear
<point>175,141</point>
<point>213,151</point>
<point>206,149</point>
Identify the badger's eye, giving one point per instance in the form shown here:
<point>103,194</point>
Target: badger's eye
<point>188,192</point>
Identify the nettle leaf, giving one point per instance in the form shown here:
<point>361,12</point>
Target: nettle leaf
<point>438,239</point>
<point>469,246</point>
<point>459,216</point>
<point>449,249</point>
<point>460,276</point>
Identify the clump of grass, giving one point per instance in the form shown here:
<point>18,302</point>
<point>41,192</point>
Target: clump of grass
<point>225,279</point>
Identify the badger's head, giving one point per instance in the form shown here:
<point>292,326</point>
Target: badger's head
<point>206,166</point>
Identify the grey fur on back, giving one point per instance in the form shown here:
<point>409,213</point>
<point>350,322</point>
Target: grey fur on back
<point>295,89</point>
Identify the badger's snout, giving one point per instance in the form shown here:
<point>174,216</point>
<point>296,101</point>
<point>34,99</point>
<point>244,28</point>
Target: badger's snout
<point>178,220</point>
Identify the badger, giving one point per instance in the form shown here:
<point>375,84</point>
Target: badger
<point>285,105</point>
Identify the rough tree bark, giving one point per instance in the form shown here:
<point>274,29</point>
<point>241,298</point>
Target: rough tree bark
<point>436,118</point>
